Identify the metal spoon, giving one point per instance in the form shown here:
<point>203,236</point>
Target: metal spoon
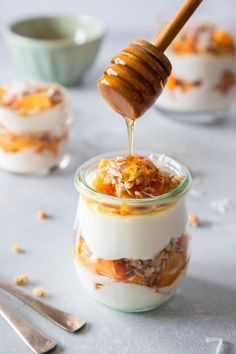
<point>62,319</point>
<point>35,340</point>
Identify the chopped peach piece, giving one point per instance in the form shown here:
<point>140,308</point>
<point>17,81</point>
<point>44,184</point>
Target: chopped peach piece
<point>174,83</point>
<point>177,262</point>
<point>2,90</point>
<point>38,101</point>
<point>223,39</point>
<point>171,83</point>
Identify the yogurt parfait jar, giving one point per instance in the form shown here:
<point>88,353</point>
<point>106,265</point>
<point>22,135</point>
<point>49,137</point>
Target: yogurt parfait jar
<point>34,127</point>
<point>201,88</point>
<point>131,253</point>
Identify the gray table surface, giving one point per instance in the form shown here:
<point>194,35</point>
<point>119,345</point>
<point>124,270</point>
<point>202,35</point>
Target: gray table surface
<point>205,305</point>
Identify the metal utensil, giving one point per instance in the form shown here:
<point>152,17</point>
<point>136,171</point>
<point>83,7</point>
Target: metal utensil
<point>64,320</point>
<point>35,340</point>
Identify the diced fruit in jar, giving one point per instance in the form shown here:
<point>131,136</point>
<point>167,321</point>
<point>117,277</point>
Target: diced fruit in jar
<point>133,176</point>
<point>38,142</point>
<point>185,86</point>
<point>26,98</point>
<point>161,271</point>
<point>204,38</point>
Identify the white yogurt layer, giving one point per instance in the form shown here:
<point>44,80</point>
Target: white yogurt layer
<point>29,161</point>
<point>41,121</point>
<point>131,236</point>
<point>123,296</point>
<point>198,67</point>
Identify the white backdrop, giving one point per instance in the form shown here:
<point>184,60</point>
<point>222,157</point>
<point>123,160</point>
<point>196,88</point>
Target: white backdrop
<point>121,15</point>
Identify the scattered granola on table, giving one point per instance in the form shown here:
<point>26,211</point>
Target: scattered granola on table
<point>193,220</point>
<point>16,249</point>
<point>39,292</point>
<point>41,214</point>
<point>21,280</point>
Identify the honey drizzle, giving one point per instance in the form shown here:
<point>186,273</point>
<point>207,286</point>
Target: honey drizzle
<point>130,129</point>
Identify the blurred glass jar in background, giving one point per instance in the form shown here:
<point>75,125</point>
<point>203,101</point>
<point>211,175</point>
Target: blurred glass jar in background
<point>201,88</point>
<point>34,130</point>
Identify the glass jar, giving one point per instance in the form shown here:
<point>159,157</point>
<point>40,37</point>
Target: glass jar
<point>202,85</point>
<point>35,143</point>
<point>131,254</point>
<point>33,153</point>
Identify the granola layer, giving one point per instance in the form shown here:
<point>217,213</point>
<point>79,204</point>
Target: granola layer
<point>161,271</point>
<point>38,142</point>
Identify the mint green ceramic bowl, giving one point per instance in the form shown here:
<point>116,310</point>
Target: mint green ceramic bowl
<point>55,48</point>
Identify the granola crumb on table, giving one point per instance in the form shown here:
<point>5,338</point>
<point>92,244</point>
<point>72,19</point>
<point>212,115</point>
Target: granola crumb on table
<point>21,280</point>
<point>39,292</point>
<point>16,249</point>
<point>193,220</point>
<point>41,214</point>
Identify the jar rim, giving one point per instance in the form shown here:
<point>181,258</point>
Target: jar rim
<point>82,185</point>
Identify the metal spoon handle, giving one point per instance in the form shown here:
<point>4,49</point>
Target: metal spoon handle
<point>35,340</point>
<point>65,320</point>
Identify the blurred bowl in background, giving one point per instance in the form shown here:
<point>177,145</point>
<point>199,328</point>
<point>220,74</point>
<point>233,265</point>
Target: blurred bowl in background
<point>55,48</point>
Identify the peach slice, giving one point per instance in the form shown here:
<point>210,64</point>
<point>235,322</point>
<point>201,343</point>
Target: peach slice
<point>35,101</point>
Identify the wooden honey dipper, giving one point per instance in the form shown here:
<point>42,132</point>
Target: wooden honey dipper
<point>136,76</point>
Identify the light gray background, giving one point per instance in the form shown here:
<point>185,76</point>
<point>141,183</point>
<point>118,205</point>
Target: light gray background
<point>120,16</point>
<point>206,304</point>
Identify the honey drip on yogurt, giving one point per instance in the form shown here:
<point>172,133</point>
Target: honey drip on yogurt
<point>130,129</point>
